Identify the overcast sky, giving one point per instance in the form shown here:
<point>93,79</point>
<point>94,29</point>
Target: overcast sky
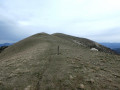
<point>98,20</point>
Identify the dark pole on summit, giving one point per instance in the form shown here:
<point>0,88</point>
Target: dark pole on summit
<point>58,50</point>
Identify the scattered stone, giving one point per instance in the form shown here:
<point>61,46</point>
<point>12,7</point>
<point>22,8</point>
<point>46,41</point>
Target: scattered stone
<point>71,77</point>
<point>91,81</point>
<point>77,66</point>
<point>73,62</point>
<point>28,88</point>
<point>116,75</point>
<point>82,87</point>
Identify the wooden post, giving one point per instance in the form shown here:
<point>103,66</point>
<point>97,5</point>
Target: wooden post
<point>58,50</point>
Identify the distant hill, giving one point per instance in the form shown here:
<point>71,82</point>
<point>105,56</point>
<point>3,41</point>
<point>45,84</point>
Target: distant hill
<point>82,64</point>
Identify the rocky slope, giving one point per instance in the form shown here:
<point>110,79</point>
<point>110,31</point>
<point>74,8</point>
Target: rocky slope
<point>33,64</point>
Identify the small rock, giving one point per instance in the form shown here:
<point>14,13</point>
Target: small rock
<point>91,81</point>
<point>28,88</point>
<point>73,62</point>
<point>94,49</point>
<point>82,86</point>
<point>71,77</point>
<point>77,66</point>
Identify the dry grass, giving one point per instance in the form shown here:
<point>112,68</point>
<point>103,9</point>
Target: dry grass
<point>33,64</point>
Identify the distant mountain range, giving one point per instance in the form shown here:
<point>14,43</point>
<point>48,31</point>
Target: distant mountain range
<point>6,44</point>
<point>117,50</point>
<point>113,46</point>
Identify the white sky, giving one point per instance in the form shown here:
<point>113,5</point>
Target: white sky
<point>98,20</point>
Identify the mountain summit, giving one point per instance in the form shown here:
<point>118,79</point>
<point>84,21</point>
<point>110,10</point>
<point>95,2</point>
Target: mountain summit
<point>82,64</point>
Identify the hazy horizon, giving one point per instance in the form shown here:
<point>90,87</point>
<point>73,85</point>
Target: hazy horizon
<point>97,20</point>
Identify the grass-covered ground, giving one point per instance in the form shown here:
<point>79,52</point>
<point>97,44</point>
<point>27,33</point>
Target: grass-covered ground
<point>33,64</point>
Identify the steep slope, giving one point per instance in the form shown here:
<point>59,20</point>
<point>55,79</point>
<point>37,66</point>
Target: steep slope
<point>33,64</point>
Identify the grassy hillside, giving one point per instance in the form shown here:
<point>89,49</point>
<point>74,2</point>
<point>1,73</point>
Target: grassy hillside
<point>33,64</point>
